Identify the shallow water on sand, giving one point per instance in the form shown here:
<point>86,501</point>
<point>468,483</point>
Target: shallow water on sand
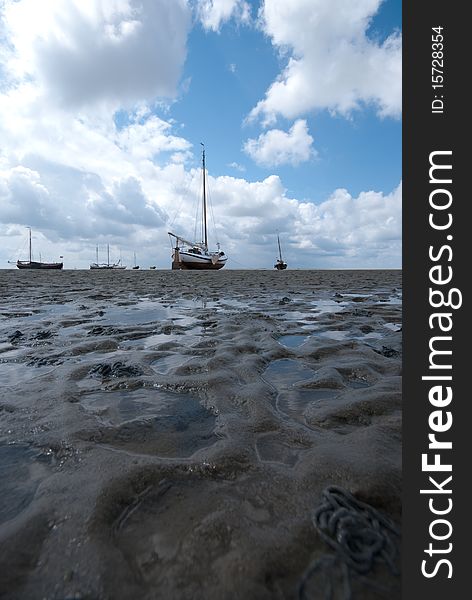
<point>168,434</point>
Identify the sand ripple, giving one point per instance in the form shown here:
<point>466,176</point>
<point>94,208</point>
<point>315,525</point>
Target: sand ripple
<point>169,434</point>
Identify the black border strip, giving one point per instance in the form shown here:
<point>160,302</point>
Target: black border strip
<point>425,132</point>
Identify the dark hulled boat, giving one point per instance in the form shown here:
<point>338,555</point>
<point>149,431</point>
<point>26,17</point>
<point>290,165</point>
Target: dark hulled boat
<point>280,264</point>
<point>35,264</point>
<point>32,264</point>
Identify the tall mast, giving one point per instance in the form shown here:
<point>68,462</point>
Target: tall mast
<point>29,243</point>
<point>108,254</point>
<point>280,251</point>
<point>204,200</point>
<point>96,250</point>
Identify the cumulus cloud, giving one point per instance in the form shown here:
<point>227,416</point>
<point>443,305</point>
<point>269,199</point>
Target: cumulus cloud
<point>69,203</point>
<point>362,226</point>
<point>147,137</point>
<point>332,62</point>
<point>237,166</point>
<point>347,231</point>
<point>214,13</point>
<point>83,53</point>
<point>276,147</point>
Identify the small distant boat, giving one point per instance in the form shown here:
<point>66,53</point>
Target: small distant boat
<point>280,264</point>
<point>195,255</point>
<point>33,264</point>
<point>107,265</point>
<point>152,267</point>
<point>135,265</point>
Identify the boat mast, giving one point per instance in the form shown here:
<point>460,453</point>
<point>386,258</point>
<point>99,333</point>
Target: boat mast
<point>204,200</point>
<point>280,251</point>
<point>29,243</point>
<point>108,254</point>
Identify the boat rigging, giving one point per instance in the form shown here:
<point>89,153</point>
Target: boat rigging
<point>280,264</point>
<point>196,255</point>
<point>33,264</point>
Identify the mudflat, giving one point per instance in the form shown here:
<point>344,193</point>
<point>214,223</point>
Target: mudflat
<point>171,434</point>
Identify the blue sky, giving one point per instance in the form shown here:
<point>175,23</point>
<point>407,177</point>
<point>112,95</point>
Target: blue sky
<point>104,104</point>
<point>359,153</point>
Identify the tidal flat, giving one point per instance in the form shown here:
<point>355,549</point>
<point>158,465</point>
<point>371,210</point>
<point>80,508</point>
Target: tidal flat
<point>170,434</point>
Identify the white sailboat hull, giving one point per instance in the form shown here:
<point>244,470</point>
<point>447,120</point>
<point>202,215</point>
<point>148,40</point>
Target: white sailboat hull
<point>105,266</point>
<point>189,260</point>
<point>195,255</point>
<point>108,265</point>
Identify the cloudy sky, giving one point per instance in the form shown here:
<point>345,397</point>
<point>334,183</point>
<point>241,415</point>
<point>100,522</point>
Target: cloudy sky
<point>104,103</point>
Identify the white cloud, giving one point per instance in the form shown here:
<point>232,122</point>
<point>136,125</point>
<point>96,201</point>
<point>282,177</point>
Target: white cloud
<point>69,203</point>
<point>214,13</point>
<point>276,147</point>
<point>342,231</point>
<point>147,137</point>
<point>332,63</point>
<point>237,166</point>
<point>84,53</point>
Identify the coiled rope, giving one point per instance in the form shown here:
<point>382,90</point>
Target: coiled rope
<point>358,533</point>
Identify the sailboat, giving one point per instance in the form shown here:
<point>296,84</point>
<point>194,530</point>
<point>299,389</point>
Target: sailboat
<point>107,265</point>
<point>33,264</point>
<point>280,263</point>
<point>195,255</point>
<point>135,265</point>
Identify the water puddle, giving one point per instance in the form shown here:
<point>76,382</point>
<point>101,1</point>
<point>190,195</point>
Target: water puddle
<point>216,304</point>
<point>14,373</point>
<point>284,372</point>
<point>167,363</point>
<point>47,312</point>
<point>151,341</point>
<point>155,422</point>
<point>360,296</point>
<point>372,335</point>
<point>292,341</point>
<point>328,306</point>
<point>179,336</point>
<point>144,312</point>
<point>293,402</point>
<point>334,334</point>
<point>393,326</point>
<point>296,315</point>
<point>5,347</point>
<point>20,474</point>
<point>8,351</point>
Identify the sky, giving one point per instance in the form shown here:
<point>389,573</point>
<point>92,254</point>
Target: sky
<point>104,105</point>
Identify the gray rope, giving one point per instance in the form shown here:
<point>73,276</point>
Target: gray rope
<point>358,533</point>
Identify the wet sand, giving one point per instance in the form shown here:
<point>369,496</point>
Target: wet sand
<point>170,434</point>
